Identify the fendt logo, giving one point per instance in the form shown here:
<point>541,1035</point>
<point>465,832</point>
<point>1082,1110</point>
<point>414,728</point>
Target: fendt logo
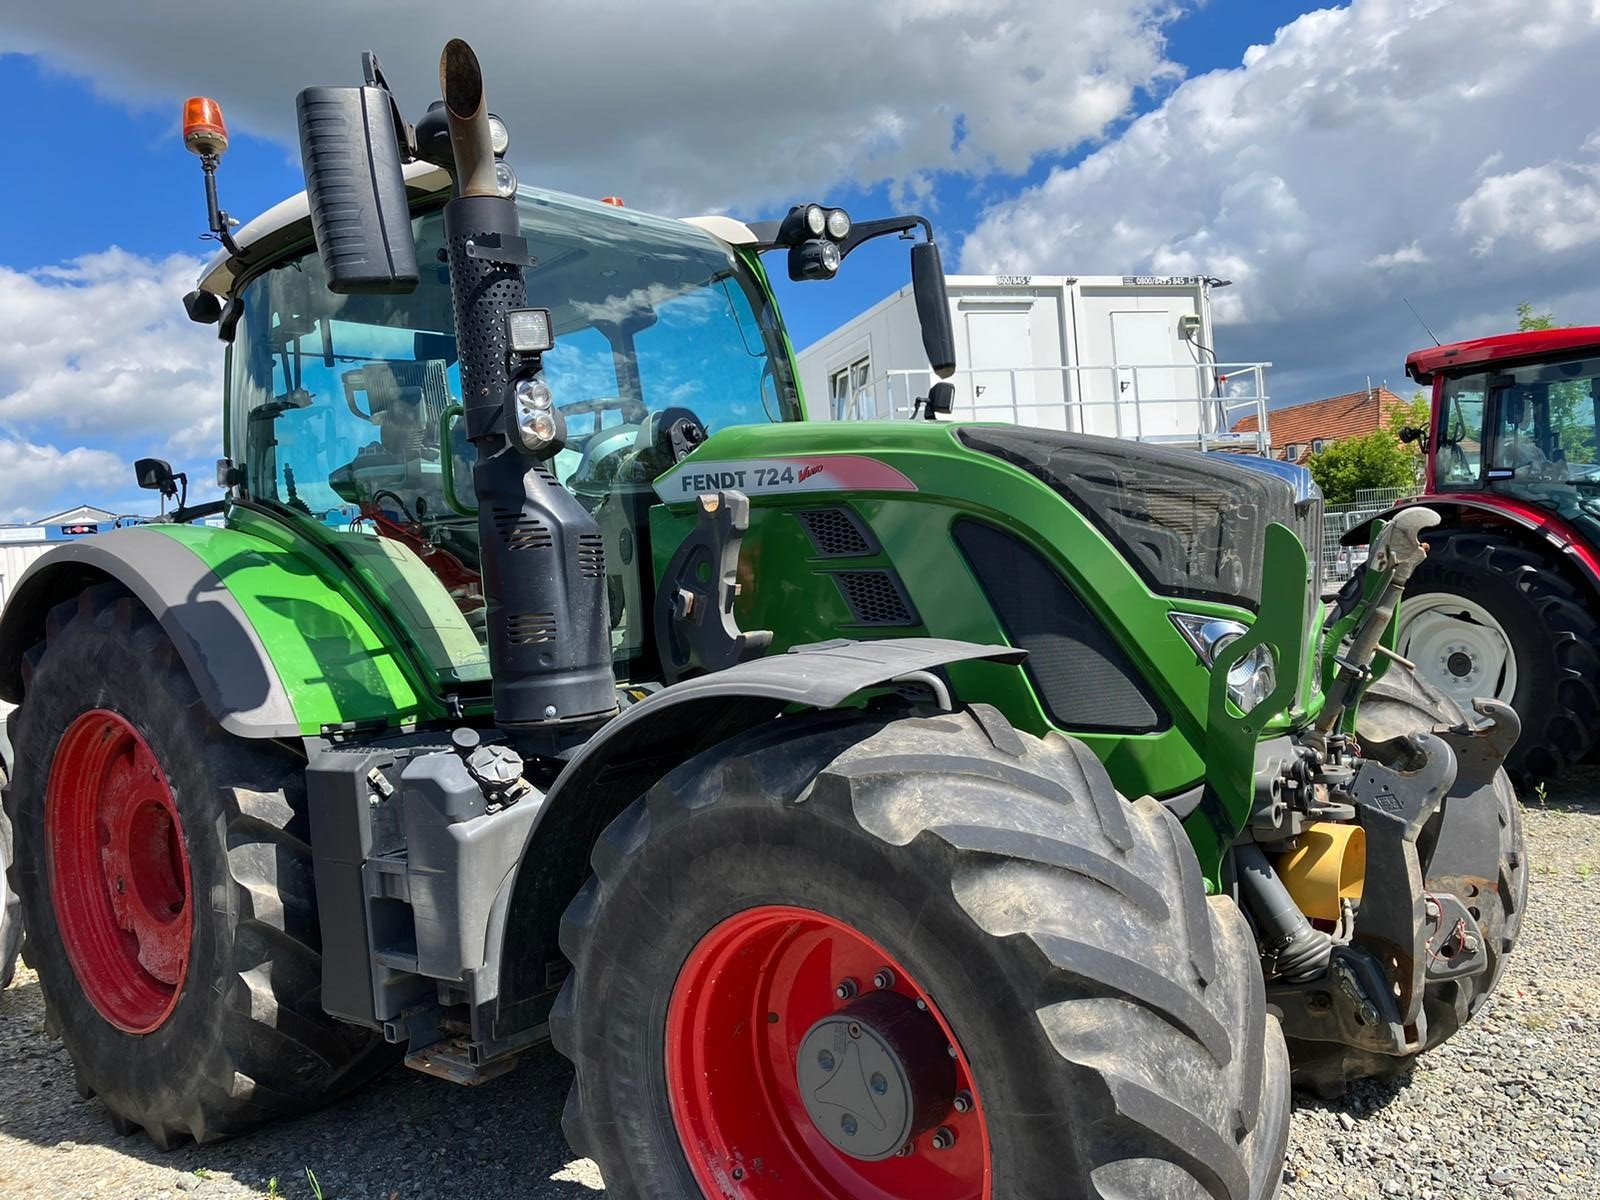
<point>779,476</point>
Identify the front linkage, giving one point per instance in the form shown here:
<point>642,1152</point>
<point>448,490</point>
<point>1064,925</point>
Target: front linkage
<point>1398,833</point>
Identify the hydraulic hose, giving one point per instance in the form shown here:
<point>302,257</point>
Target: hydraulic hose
<point>1297,951</point>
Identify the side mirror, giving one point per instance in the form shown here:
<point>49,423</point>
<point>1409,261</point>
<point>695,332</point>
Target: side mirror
<point>156,475</point>
<point>941,400</point>
<point>351,153</point>
<point>933,309</point>
<point>1411,433</point>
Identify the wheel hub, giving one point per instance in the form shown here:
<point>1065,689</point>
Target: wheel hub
<point>875,1075</point>
<point>1459,647</point>
<point>119,871</point>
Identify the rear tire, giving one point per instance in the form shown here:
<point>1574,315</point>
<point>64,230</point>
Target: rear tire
<point>242,1038</point>
<point>1112,1017</point>
<point>1551,625</point>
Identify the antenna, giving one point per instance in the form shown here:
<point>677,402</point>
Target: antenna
<point>1421,322</point>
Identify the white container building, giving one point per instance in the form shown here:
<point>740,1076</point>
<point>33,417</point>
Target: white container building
<point>1118,355</point>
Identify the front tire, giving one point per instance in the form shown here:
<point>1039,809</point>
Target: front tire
<point>1486,616</point>
<point>167,886</point>
<point>1105,1019</point>
<point>10,903</point>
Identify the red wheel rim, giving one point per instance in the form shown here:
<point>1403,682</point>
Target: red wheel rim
<point>740,1011</point>
<point>119,872</point>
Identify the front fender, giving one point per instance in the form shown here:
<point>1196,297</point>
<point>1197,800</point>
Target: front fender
<point>629,755</point>
<point>275,647</point>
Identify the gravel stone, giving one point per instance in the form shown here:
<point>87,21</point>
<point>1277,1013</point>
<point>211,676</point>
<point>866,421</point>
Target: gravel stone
<point>1508,1110</point>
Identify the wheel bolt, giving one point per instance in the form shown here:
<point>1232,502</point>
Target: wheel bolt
<point>884,979</point>
<point>846,990</point>
<point>853,1029</point>
<point>825,1060</point>
<point>963,1102</point>
<point>880,1085</point>
<point>738,1174</point>
<point>848,1124</point>
<point>904,1150</point>
<point>943,1138</point>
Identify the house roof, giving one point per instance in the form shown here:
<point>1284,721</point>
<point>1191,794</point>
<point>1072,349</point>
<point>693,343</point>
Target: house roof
<point>73,516</point>
<point>1333,419</point>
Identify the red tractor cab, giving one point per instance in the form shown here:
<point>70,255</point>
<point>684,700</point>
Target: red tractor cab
<point>1507,604</point>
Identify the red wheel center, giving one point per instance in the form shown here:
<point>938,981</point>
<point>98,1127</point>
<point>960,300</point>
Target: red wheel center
<point>119,872</point>
<point>804,1062</point>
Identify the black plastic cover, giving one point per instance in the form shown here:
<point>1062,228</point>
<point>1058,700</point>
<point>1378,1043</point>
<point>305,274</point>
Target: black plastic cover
<point>356,192</point>
<point>1191,524</point>
<point>1083,678</point>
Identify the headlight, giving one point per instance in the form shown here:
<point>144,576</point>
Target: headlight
<point>505,180</point>
<point>1252,679</point>
<point>816,219</point>
<point>499,136</point>
<point>838,224</point>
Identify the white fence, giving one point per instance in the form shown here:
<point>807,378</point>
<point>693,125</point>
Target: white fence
<point>1195,406</point>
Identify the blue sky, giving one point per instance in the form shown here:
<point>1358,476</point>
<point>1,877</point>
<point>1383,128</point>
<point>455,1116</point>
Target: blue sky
<point>1350,159</point>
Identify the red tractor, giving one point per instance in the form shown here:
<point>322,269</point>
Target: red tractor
<point>1507,604</point>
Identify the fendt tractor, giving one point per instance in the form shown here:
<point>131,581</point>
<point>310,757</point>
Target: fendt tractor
<point>1508,603</point>
<point>922,810</point>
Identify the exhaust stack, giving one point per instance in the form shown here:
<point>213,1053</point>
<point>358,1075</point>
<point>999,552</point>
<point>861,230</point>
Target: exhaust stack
<point>544,578</point>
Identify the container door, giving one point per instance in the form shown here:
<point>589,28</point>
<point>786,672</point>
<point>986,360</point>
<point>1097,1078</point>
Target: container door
<point>1143,340</point>
<point>1000,346</point>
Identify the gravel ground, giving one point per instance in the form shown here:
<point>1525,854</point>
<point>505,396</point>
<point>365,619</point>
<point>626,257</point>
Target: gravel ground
<point>1508,1109</point>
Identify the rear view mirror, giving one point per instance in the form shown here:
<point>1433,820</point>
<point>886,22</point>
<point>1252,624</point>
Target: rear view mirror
<point>156,475</point>
<point>933,308</point>
<point>351,155</point>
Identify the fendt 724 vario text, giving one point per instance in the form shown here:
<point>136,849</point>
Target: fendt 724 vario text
<point>920,810</point>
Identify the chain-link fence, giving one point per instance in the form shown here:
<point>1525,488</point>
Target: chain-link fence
<point>1340,562</point>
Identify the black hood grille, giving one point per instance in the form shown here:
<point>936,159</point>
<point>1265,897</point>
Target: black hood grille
<point>1193,525</point>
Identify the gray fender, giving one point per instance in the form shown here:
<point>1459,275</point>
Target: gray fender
<point>647,741</point>
<point>214,639</point>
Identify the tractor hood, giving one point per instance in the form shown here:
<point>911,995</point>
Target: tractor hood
<point>1193,525</point>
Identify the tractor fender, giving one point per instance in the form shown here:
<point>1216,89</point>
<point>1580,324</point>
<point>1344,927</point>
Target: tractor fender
<point>272,636</point>
<point>216,643</point>
<point>651,738</point>
<point>1537,525</point>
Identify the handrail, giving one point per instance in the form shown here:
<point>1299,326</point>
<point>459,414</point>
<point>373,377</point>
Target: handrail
<point>1202,410</point>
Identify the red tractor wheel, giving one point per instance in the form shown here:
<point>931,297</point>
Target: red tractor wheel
<point>761,1053</point>
<point>846,957</point>
<point>167,885</point>
<point>119,873</point>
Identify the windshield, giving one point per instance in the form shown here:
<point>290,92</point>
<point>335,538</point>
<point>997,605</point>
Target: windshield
<point>1545,425</point>
<point>340,406</point>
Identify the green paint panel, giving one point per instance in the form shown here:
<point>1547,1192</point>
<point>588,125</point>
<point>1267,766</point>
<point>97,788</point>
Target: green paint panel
<point>787,587</point>
<point>336,657</point>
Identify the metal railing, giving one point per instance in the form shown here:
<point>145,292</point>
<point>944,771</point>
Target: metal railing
<point>1185,405</point>
<point>1340,562</point>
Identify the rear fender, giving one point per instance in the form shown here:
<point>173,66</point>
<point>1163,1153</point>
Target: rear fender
<point>274,646</point>
<point>630,754</point>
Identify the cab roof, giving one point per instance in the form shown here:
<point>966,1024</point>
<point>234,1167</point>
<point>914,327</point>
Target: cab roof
<point>289,222</point>
<point>1422,365</point>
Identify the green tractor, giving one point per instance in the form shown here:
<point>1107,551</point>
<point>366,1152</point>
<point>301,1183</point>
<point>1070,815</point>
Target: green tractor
<point>916,810</point>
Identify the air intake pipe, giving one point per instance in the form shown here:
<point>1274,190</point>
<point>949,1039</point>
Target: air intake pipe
<point>1295,949</point>
<point>549,627</point>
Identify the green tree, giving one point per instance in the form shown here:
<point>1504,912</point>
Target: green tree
<point>1375,460</point>
<point>1528,321</point>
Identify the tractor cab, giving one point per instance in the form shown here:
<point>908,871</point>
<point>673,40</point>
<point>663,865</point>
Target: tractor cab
<point>1514,418</point>
<point>342,409</point>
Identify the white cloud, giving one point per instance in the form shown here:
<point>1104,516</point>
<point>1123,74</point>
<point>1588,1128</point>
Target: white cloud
<point>691,105</point>
<point>37,480</point>
<point>98,350</point>
<point>1360,157</point>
